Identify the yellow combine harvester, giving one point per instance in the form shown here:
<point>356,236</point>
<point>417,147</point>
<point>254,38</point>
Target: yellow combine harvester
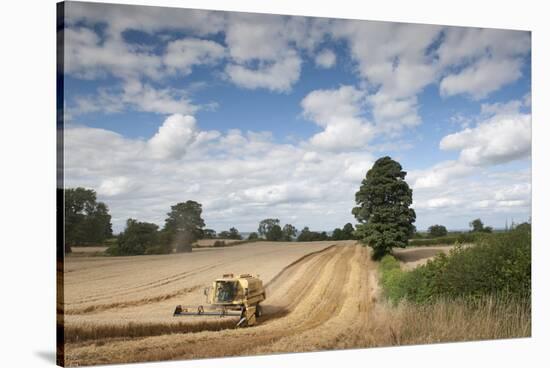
<point>231,296</point>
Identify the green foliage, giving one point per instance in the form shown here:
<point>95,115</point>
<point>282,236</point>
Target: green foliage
<point>233,233</point>
<point>478,227</point>
<point>253,236</point>
<point>306,235</point>
<point>461,238</point>
<point>391,278</point>
<point>266,226</point>
<point>289,232</point>
<point>209,234</point>
<point>346,233</point>
<point>383,200</point>
<point>138,238</point>
<point>183,226</point>
<point>275,233</point>
<point>499,264</point>
<point>436,231</point>
<point>86,220</point>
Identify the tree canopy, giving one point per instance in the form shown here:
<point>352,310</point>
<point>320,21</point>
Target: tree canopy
<point>478,227</point>
<point>275,233</point>
<point>308,235</point>
<point>437,230</point>
<point>86,220</point>
<point>139,238</point>
<point>346,233</point>
<point>267,225</point>
<point>383,208</point>
<point>183,226</point>
<point>289,232</point>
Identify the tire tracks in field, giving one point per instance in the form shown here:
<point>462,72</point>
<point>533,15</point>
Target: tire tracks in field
<point>146,286</point>
<point>302,298</point>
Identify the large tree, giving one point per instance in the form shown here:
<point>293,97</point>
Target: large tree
<point>86,220</point>
<point>383,208</point>
<point>289,232</point>
<point>478,227</point>
<point>138,238</point>
<point>437,230</point>
<point>275,233</point>
<point>347,231</point>
<point>183,226</point>
<point>267,225</point>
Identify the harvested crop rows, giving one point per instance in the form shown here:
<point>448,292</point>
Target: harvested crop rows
<point>321,299</point>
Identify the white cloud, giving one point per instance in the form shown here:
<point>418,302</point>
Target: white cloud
<point>339,112</point>
<point>150,19</point>
<point>462,45</point>
<point>182,54</point>
<point>174,137</point>
<point>391,55</point>
<point>486,59</point>
<point>439,175</point>
<point>240,178</point>
<point>326,59</point>
<point>115,186</point>
<point>501,139</point>
<point>514,192</point>
<point>485,76</point>
<point>89,57</point>
<point>393,115</point>
<point>278,75</point>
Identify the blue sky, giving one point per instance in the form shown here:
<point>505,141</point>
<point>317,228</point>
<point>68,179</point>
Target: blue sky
<point>259,116</point>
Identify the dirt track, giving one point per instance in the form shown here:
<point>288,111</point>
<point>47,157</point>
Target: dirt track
<point>322,301</point>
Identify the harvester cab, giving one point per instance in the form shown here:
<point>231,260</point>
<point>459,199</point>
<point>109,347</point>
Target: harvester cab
<point>230,296</point>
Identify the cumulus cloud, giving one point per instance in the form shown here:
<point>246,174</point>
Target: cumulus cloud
<point>89,57</point>
<point>498,140</point>
<point>439,175</point>
<point>174,137</point>
<point>481,60</point>
<point>115,186</point>
<point>340,113</point>
<point>182,54</point>
<point>278,75</point>
<point>481,78</point>
<point>237,176</point>
<point>262,52</point>
<point>136,95</point>
<point>325,59</point>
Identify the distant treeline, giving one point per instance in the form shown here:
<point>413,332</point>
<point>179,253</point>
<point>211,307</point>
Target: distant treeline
<point>88,222</point>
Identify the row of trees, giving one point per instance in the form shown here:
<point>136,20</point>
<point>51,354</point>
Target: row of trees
<point>89,222</point>
<point>182,227</point>
<point>476,226</point>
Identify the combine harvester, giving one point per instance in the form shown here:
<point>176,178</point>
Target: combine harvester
<point>231,296</point>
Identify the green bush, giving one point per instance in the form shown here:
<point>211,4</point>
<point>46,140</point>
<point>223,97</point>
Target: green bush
<point>219,243</point>
<point>499,264</point>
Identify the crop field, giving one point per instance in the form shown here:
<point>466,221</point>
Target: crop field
<point>111,299</point>
<point>320,295</point>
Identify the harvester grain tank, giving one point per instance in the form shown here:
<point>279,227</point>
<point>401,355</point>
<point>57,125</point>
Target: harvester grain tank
<point>231,296</point>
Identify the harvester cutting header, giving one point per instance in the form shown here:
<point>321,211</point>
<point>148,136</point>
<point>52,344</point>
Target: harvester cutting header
<point>230,296</point>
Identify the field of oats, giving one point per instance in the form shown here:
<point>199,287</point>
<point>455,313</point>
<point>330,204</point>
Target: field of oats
<point>320,295</point>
